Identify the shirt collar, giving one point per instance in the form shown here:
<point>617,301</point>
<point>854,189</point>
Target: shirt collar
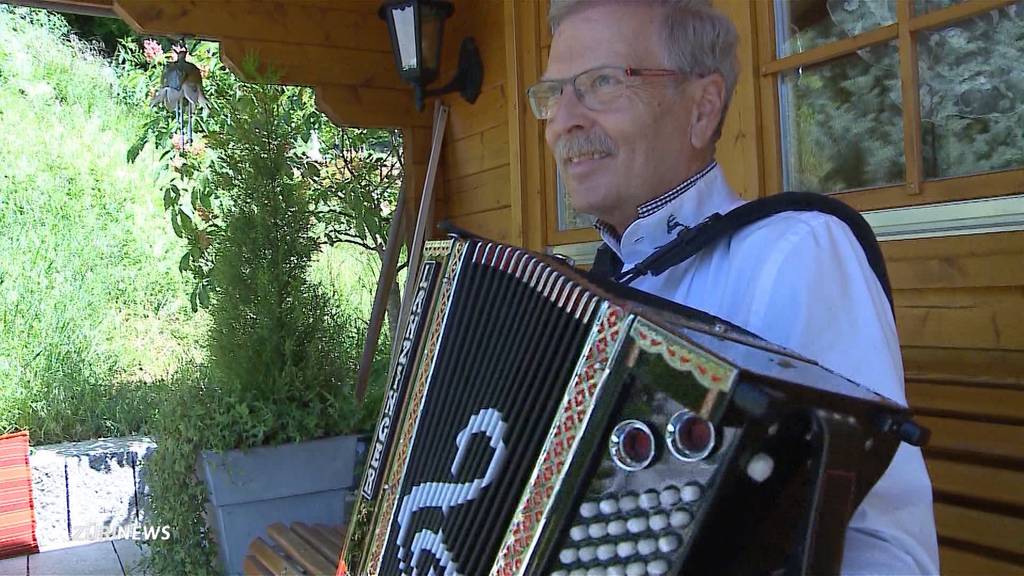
<point>661,219</point>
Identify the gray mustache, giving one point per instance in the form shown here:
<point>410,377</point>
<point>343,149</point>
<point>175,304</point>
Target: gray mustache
<point>583,144</point>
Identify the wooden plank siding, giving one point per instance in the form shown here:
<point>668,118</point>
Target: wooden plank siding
<point>960,313</point>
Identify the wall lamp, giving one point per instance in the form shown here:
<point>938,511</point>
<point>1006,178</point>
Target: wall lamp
<point>416,28</point>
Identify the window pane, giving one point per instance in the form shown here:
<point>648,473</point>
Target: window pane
<point>926,6</point>
<point>971,77</point>
<point>569,219</point>
<point>804,24</point>
<point>841,123</point>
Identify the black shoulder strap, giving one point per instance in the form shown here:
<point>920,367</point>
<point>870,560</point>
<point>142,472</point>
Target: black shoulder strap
<point>718,226</point>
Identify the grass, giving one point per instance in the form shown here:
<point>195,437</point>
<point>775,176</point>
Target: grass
<point>95,324</point>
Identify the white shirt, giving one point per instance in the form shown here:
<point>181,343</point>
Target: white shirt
<point>801,280</point>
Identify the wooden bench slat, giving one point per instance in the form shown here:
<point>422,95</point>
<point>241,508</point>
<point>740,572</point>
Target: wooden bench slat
<point>299,550</point>
<point>1002,440</point>
<point>251,566</point>
<point>999,485</point>
<point>271,559</point>
<point>975,401</point>
<point>978,527</point>
<point>317,540</point>
<point>957,562</point>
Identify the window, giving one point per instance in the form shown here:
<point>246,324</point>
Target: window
<point>892,102</point>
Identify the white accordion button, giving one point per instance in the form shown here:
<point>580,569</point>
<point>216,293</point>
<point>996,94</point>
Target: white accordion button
<point>669,497</point>
<point>589,509</point>
<point>597,571</point>
<point>680,518</point>
<point>690,493</point>
<point>559,573</point>
<point>636,569</point>
<point>647,546</point>
<point>568,556</point>
<point>597,530</point>
<point>609,506</point>
<point>605,552</point>
<point>668,543</point>
<point>658,521</point>
<point>578,572</point>
<point>636,525</point>
<point>649,500</point>
<point>657,567</point>
<point>587,553</point>
<point>625,549</point>
<point>617,570</point>
<point>578,532</point>
<point>628,503</point>
<point>616,528</point>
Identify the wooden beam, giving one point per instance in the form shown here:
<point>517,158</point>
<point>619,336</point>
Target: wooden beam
<point>305,65</point>
<point>369,107</point>
<point>352,25</point>
<point>99,8</point>
<point>831,50</point>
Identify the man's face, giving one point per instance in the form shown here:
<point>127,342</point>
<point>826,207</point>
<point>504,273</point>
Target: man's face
<point>638,147</point>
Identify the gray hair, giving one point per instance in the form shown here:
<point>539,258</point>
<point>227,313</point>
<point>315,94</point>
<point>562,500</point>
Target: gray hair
<point>698,40</point>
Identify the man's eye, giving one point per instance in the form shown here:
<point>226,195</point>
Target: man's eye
<point>604,81</point>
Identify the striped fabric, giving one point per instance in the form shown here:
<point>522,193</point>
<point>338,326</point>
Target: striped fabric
<point>17,517</point>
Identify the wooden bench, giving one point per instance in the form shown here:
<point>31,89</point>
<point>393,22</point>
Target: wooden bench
<point>296,550</point>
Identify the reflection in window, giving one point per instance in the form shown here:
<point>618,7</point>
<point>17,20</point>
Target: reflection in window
<point>842,123</point>
<point>805,24</point>
<point>569,219</point>
<point>971,77</point>
<point>926,6</point>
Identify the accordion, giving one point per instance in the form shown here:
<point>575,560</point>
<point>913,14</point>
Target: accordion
<point>537,421</point>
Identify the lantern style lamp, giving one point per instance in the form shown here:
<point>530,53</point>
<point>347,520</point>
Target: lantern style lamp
<point>416,28</point>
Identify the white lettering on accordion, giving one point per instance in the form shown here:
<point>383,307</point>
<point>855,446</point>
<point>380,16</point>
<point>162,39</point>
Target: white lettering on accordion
<point>448,495</point>
<point>387,417</point>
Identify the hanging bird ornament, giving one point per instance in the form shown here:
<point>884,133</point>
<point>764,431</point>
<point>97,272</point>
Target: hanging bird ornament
<point>181,87</point>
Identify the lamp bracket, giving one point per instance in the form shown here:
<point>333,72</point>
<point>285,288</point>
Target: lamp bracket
<point>468,80</point>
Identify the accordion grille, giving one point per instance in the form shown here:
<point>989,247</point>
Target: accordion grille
<point>512,337</point>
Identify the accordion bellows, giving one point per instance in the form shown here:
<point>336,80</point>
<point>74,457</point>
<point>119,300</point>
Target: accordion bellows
<point>539,423</point>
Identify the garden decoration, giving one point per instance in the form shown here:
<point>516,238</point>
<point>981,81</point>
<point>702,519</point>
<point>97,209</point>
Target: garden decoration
<point>181,86</point>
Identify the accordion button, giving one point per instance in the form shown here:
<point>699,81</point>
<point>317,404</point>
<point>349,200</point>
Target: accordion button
<point>578,533</point>
<point>605,552</point>
<point>568,556</point>
<point>625,549</point>
<point>636,569</point>
<point>659,522</point>
<point>578,572</point>
<point>668,543</point>
<point>597,530</point>
<point>669,497</point>
<point>609,506</point>
<point>690,493</point>
<point>649,500</point>
<point>657,567</point>
<point>597,571</point>
<point>680,518</point>
<point>587,553</point>
<point>617,570</point>
<point>589,509</point>
<point>628,503</point>
<point>636,525</point>
<point>559,573</point>
<point>647,546</point>
<point>617,527</point>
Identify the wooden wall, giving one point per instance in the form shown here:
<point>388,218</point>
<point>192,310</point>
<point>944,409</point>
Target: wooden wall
<point>960,314</point>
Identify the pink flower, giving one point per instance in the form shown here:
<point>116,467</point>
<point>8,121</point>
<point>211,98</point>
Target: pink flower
<point>178,141</point>
<point>177,162</point>
<point>197,147</point>
<point>152,50</point>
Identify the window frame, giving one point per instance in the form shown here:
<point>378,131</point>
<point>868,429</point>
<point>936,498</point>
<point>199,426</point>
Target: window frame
<point>915,189</point>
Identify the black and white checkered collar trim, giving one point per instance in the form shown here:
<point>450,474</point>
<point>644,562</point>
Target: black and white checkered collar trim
<point>653,206</point>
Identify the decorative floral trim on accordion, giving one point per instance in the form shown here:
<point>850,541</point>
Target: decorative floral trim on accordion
<point>389,493</point>
<point>574,411</point>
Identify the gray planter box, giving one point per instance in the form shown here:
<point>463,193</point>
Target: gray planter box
<point>250,490</point>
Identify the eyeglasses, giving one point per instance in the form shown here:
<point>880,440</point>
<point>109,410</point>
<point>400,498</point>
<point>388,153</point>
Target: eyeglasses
<point>596,89</point>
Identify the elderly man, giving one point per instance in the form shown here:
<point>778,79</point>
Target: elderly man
<point>633,97</point>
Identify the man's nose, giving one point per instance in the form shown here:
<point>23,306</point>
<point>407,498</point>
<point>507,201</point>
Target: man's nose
<point>570,113</point>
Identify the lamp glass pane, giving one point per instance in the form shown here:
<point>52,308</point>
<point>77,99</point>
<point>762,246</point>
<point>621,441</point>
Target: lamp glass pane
<point>433,22</point>
<point>405,29</point>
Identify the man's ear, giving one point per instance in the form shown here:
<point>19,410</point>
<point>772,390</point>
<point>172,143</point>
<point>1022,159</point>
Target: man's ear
<point>708,100</point>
